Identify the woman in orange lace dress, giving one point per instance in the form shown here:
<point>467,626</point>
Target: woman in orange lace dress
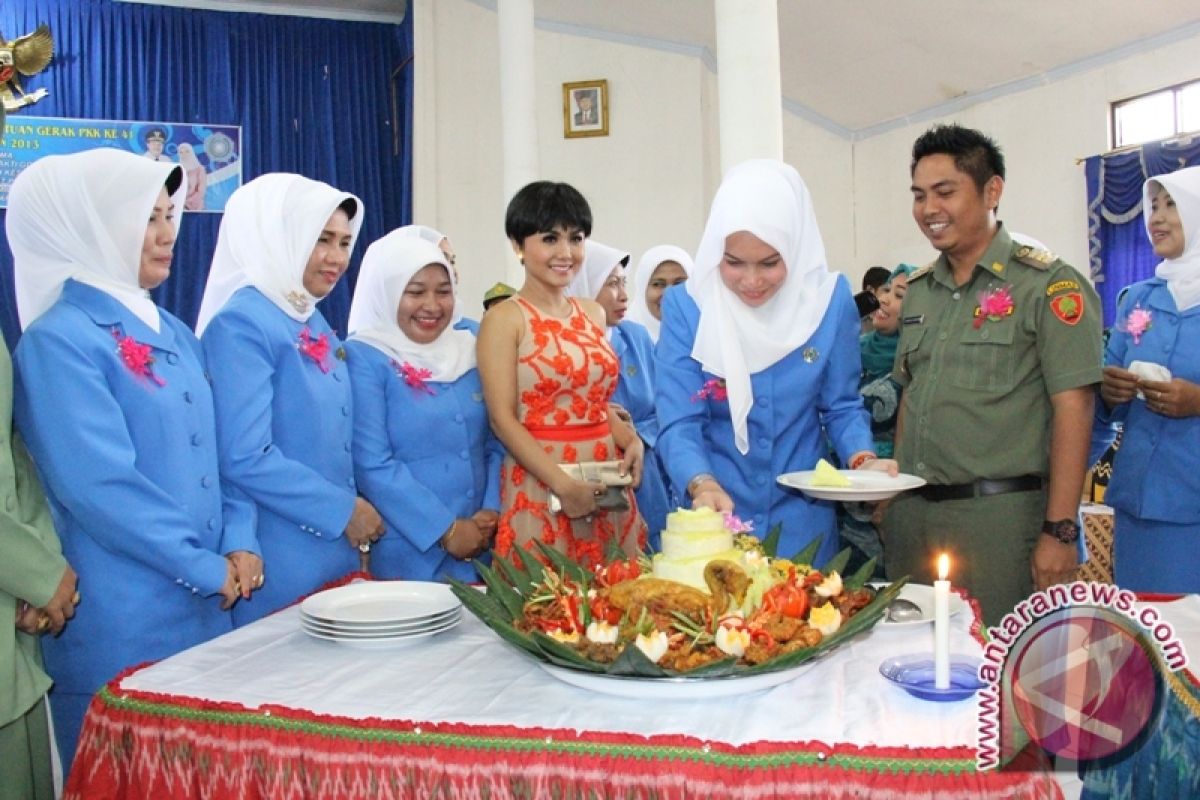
<point>548,373</point>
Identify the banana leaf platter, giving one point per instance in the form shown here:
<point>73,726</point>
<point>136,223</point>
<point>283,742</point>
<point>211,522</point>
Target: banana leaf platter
<point>510,582</point>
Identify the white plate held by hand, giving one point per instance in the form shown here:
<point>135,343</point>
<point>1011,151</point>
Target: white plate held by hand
<point>865,485</point>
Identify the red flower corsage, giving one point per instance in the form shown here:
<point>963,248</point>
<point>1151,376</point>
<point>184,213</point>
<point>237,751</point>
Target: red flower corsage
<point>317,349</point>
<point>713,389</point>
<point>994,305</point>
<point>138,357</point>
<point>413,376</point>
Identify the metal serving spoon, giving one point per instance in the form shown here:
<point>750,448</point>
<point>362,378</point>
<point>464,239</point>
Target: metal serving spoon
<point>901,610</point>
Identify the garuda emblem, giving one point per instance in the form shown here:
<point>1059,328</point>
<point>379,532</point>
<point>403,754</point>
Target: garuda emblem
<point>28,55</point>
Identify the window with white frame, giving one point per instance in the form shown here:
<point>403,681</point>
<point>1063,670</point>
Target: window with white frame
<point>1156,115</point>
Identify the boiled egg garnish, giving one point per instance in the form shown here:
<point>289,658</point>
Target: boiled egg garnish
<point>827,619</point>
<point>601,632</point>
<point>831,586</point>
<point>732,641</point>
<point>653,645</point>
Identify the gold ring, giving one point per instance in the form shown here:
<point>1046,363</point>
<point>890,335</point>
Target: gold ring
<point>258,580</point>
<point>75,598</point>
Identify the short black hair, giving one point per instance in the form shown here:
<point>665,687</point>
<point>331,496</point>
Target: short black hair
<point>543,206</point>
<point>174,179</point>
<point>973,152</point>
<point>876,276</point>
<point>350,206</point>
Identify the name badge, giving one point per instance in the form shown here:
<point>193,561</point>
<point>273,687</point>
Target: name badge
<point>917,320</point>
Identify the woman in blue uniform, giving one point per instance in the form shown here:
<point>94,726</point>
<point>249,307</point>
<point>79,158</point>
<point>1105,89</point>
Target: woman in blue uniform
<point>1155,480</point>
<point>602,279</point>
<point>659,269</point>
<point>114,405</point>
<point>758,355</point>
<point>424,453</point>
<point>279,378</point>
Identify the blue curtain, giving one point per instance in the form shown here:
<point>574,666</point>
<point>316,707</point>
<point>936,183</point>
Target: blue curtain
<point>327,99</point>
<point>1118,251</point>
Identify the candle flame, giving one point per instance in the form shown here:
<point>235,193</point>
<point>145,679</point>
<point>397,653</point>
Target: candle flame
<point>943,566</point>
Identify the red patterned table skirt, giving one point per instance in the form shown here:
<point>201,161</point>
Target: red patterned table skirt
<point>141,745</point>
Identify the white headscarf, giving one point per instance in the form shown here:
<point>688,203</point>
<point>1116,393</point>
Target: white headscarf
<point>84,216</point>
<point>421,231</point>
<point>270,228</point>
<point>599,260</point>
<point>638,310</point>
<point>1181,274</point>
<point>387,268</point>
<point>768,199</point>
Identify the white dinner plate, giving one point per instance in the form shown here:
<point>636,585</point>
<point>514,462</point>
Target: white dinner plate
<point>922,595</point>
<point>674,688</point>
<point>380,629</point>
<point>424,621</point>
<point>865,485</point>
<point>381,601</point>
<point>379,642</point>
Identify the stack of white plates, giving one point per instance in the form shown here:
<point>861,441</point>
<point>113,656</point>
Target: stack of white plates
<point>375,614</point>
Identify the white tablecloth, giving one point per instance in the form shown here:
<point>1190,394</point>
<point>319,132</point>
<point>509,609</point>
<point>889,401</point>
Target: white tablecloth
<point>469,675</point>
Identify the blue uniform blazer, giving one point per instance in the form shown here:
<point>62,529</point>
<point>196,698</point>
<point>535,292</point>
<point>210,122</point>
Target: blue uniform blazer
<point>1156,451</point>
<point>813,387</point>
<point>284,429</point>
<point>423,459</point>
<point>130,470</point>
<point>635,392</point>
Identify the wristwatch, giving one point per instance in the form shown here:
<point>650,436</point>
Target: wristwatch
<point>1064,530</point>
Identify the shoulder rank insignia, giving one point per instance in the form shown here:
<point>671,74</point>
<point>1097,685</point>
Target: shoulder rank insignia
<point>923,271</point>
<point>1034,257</point>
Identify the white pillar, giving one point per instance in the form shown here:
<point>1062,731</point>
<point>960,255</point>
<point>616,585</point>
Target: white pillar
<point>518,111</point>
<point>748,83</point>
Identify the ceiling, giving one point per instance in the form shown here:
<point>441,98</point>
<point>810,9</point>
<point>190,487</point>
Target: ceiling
<point>857,65</point>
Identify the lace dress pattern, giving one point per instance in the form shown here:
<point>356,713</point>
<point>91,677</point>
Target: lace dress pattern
<point>566,374</point>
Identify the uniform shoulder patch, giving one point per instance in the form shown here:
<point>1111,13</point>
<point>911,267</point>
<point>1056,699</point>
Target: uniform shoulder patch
<point>922,272</point>
<point>1034,257</point>
<point>1061,286</point>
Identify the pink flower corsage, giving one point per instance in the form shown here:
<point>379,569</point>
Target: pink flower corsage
<point>1137,323</point>
<point>138,357</point>
<point>413,376</point>
<point>317,349</point>
<point>735,525</point>
<point>994,305</point>
<point>713,389</point>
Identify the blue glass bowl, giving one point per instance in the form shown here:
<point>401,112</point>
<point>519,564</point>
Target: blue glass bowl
<point>914,674</point>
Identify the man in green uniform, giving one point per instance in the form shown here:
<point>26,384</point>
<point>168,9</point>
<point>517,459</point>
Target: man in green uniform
<point>999,353</point>
<point>37,595</point>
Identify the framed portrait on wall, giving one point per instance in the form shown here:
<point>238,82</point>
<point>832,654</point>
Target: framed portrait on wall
<point>585,109</point>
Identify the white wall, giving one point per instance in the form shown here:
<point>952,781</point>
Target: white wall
<point>1043,132</point>
<point>650,181</point>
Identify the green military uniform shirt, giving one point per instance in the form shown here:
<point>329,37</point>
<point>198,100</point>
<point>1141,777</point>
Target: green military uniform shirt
<point>979,362</point>
<point>31,563</point>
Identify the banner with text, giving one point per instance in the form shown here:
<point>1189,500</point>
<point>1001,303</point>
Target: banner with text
<point>211,155</point>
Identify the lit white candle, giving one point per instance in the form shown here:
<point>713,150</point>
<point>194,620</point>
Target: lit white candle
<point>941,625</point>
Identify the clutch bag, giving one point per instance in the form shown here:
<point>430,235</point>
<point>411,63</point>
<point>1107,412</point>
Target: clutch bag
<point>605,472</point>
